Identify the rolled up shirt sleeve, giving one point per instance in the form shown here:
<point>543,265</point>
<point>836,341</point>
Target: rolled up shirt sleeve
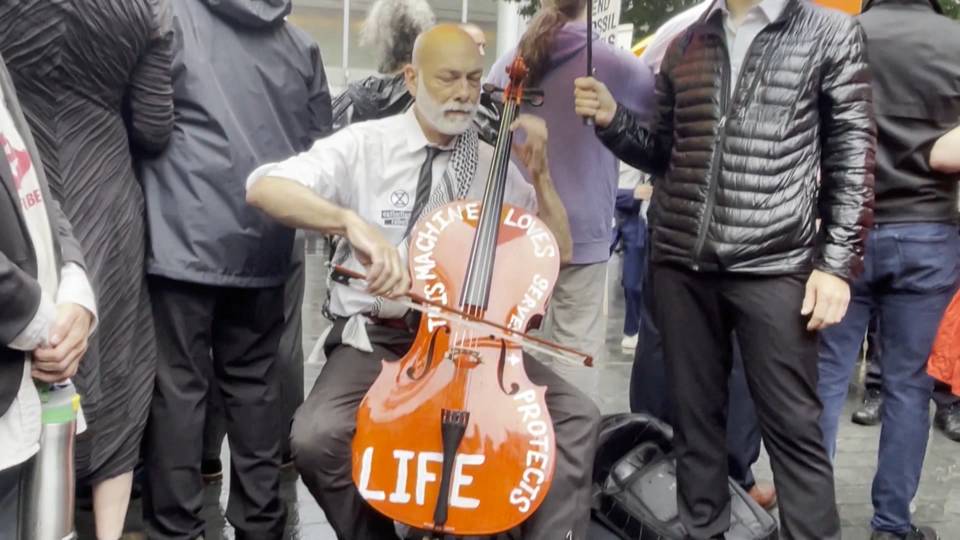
<point>324,168</point>
<point>36,333</point>
<point>74,289</point>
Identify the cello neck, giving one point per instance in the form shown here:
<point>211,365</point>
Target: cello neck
<point>476,292</point>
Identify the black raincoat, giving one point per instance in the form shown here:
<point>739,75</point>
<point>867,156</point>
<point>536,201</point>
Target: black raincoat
<point>249,89</point>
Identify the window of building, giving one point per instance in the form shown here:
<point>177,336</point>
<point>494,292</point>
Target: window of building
<point>324,20</point>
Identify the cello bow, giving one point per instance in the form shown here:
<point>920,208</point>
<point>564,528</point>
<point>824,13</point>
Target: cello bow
<point>429,307</point>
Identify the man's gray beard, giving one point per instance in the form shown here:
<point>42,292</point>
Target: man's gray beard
<point>433,113</point>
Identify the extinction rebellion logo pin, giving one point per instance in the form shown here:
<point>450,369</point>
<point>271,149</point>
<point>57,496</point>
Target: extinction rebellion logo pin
<point>400,198</point>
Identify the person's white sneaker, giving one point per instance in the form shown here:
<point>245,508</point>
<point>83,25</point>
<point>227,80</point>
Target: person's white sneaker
<point>629,343</point>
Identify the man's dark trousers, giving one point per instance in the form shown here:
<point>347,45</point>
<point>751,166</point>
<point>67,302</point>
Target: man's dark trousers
<point>651,394</point>
<point>910,275</point>
<point>289,360</point>
<point>324,426</point>
<point>242,328</point>
<point>697,313</point>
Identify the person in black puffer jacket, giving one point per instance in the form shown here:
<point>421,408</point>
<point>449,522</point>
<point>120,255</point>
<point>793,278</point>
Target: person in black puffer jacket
<point>390,29</point>
<point>763,127</point>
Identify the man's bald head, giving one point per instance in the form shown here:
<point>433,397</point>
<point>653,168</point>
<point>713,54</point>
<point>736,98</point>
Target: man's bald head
<point>447,67</point>
<point>445,42</point>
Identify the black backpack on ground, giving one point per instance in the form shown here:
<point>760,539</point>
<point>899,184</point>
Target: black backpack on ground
<point>635,486</point>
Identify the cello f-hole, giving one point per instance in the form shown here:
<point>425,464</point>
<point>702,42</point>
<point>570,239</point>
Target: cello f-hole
<point>501,363</point>
<point>412,372</point>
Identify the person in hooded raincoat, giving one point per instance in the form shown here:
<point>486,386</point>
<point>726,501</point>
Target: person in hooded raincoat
<point>249,89</point>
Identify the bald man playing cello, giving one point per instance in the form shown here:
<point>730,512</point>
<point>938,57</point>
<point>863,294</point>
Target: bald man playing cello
<point>366,184</point>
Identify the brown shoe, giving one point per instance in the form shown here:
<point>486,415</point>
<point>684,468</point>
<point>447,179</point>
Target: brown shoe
<point>764,494</point>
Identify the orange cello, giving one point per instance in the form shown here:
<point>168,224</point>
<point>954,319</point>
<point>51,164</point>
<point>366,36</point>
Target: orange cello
<point>453,438</point>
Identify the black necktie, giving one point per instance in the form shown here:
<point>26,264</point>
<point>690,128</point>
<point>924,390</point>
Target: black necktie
<point>424,183</point>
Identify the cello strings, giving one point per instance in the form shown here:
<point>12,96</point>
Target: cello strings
<point>483,228</point>
<point>483,250</point>
<point>490,223</point>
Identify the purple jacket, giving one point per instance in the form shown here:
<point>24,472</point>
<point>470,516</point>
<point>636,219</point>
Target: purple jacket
<point>584,171</point>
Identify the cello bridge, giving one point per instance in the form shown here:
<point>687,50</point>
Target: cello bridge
<point>464,358</point>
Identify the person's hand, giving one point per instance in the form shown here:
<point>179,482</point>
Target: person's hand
<point>593,100</point>
<point>643,192</point>
<point>60,359</point>
<point>826,300</point>
<point>533,151</point>
<point>386,273</point>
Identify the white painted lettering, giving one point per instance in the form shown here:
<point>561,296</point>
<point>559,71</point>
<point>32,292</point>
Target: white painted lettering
<point>428,225</point>
<point>519,500</point>
<point>527,395</point>
<point>366,466</point>
<point>540,443</point>
<point>424,265</point>
<point>531,491</point>
<point>510,221</point>
<point>473,211</point>
<point>525,221</point>
<point>530,411</point>
<point>436,291</point>
<point>540,476</point>
<point>400,494</point>
<point>424,475</point>
<point>537,428</point>
<point>426,241</point>
<point>461,480</point>
<point>534,456</point>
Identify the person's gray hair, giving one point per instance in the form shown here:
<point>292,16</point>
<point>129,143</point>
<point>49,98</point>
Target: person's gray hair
<point>392,27</point>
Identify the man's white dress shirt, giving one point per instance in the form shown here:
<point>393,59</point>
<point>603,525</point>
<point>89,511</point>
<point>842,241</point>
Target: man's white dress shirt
<point>738,36</point>
<point>372,168</point>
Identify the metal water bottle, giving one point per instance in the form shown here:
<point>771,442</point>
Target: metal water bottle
<point>50,485</point>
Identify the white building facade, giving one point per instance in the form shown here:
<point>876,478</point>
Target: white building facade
<point>335,24</point>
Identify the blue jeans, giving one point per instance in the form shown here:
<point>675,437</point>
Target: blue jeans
<point>910,274</point>
<point>634,267</point>
<point>631,234</point>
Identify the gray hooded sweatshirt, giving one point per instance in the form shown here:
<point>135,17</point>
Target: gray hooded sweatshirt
<point>249,89</point>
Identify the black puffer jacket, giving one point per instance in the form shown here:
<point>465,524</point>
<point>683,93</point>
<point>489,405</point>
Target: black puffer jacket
<point>740,173</point>
<point>377,96</point>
